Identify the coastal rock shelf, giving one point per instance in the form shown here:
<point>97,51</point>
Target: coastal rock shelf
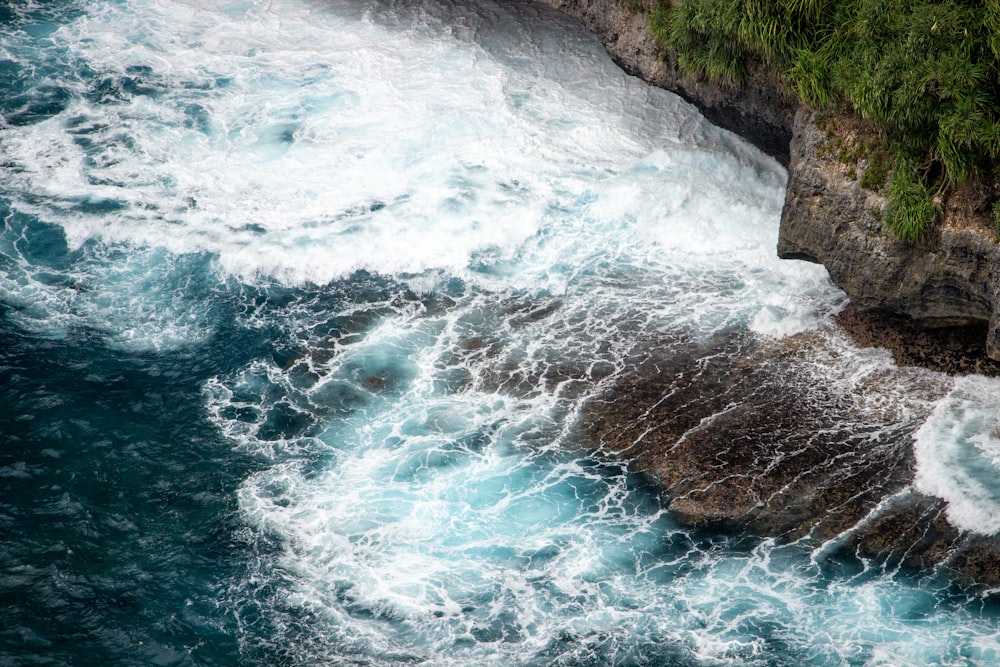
<point>693,424</point>
<point>833,465</point>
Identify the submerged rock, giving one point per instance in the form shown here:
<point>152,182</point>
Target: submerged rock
<point>910,532</point>
<point>777,444</point>
<point>765,443</point>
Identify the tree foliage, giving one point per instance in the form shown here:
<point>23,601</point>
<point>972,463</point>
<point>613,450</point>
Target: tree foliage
<point>925,72</point>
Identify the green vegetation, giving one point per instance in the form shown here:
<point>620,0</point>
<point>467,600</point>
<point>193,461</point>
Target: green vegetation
<point>924,73</point>
<point>911,209</point>
<point>877,172</point>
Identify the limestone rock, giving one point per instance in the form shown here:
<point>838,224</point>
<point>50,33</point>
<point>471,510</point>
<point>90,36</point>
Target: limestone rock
<point>950,279</point>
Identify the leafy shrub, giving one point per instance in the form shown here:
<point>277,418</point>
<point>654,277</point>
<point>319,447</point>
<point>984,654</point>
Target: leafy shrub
<point>926,73</point>
<point>911,211</point>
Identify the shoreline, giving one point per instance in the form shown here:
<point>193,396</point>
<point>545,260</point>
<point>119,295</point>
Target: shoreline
<point>781,480</point>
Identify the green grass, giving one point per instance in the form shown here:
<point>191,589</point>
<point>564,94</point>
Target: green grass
<point>876,174</point>
<point>924,73</point>
<point>911,210</point>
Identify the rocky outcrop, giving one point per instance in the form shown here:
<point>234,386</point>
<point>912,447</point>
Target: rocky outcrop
<point>955,350</point>
<point>950,279</point>
<point>701,421</point>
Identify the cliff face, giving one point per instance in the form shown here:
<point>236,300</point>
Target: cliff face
<point>758,112</point>
<point>950,279</point>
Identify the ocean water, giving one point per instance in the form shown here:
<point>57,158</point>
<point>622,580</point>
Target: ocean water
<point>302,302</point>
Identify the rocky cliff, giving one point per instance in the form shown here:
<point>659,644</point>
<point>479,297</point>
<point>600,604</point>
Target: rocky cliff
<point>759,112</point>
<point>684,419</point>
<point>950,279</point>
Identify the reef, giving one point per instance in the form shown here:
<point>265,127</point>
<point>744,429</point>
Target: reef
<point>827,465</point>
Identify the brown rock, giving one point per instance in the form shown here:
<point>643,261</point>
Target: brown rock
<point>758,442</point>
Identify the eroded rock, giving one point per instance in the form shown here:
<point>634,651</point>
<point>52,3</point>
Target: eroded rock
<point>768,442</point>
<point>763,437</point>
<point>951,279</point>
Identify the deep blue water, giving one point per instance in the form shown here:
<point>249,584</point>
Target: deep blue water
<point>301,303</point>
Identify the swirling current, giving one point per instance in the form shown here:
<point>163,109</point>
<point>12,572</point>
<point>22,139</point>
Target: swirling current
<point>303,310</point>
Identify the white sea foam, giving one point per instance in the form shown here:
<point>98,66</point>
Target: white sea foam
<point>442,528</point>
<point>532,216</point>
<point>958,454</point>
<point>137,300</point>
<point>287,139</point>
<point>291,142</point>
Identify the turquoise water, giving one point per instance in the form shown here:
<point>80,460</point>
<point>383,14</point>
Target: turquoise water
<point>301,305</point>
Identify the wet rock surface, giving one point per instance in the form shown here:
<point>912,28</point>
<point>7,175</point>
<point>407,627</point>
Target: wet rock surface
<point>762,443</point>
<point>954,350</point>
<point>910,532</point>
<point>775,446</point>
